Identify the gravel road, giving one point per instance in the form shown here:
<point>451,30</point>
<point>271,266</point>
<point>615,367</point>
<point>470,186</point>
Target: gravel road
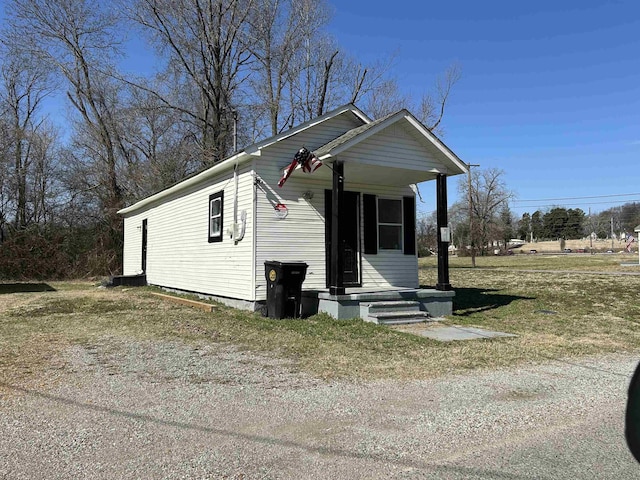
<point>125,409</point>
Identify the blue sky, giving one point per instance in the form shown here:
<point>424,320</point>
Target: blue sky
<point>550,91</point>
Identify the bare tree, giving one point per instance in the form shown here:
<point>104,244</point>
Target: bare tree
<point>426,234</point>
<point>24,84</point>
<point>380,95</point>
<point>44,184</point>
<point>162,143</point>
<point>385,99</point>
<point>79,38</point>
<point>206,43</point>
<point>281,30</point>
<point>489,194</point>
<point>432,106</point>
<point>5,194</point>
<point>312,87</point>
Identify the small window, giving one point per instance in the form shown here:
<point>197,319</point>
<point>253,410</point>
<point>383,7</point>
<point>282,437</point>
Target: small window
<point>389,224</point>
<point>215,217</point>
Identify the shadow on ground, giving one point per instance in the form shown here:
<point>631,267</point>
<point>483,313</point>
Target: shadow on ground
<point>25,288</point>
<point>472,300</point>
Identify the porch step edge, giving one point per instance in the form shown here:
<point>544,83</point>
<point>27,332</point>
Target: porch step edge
<point>398,317</point>
<point>393,306</point>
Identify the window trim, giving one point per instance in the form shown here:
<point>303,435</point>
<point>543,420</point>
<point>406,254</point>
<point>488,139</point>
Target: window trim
<point>218,196</point>
<point>401,224</point>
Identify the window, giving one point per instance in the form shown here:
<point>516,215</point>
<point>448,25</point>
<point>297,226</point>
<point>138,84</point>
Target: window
<point>390,224</point>
<point>215,217</point>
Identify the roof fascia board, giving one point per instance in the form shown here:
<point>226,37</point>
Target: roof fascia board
<point>439,144</point>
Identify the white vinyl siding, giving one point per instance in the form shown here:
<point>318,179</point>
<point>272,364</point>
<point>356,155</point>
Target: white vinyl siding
<point>179,255</point>
<point>300,236</point>
<point>393,146</point>
<point>178,252</point>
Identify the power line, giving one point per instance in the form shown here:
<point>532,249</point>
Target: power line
<point>578,198</point>
<point>585,203</point>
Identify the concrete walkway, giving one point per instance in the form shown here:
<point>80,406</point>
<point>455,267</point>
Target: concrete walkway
<point>450,333</point>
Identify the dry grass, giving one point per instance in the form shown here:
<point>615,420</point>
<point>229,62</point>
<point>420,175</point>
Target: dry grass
<point>591,314</point>
<point>558,312</point>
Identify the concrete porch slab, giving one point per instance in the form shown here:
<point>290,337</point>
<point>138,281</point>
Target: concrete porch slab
<point>354,303</point>
<point>450,333</point>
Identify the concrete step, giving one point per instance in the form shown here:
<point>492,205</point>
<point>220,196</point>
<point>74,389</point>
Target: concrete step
<point>399,317</point>
<point>394,306</point>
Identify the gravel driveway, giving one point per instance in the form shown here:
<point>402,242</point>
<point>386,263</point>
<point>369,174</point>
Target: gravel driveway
<point>125,409</point>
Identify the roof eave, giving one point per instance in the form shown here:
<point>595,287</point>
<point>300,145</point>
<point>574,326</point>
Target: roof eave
<point>439,144</point>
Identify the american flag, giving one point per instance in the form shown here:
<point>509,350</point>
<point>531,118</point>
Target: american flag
<point>308,162</point>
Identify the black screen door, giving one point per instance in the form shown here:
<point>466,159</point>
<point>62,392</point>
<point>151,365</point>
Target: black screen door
<point>350,220</point>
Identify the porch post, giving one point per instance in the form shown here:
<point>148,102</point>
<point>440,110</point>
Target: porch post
<point>336,286</point>
<point>443,243</point>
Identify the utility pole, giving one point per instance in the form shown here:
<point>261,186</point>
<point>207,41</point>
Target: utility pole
<point>612,247</point>
<point>591,232</point>
<point>471,236</point>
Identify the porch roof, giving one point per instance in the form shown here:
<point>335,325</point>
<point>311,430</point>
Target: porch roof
<point>391,171</point>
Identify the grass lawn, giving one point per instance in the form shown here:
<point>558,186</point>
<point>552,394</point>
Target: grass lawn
<point>554,315</point>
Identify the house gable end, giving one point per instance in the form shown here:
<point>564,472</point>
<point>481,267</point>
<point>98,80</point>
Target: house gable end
<point>401,133</point>
<point>312,138</point>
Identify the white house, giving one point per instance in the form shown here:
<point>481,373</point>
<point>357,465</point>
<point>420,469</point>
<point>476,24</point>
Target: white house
<point>211,233</point>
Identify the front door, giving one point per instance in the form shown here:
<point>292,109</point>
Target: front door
<point>144,246</point>
<point>350,223</point>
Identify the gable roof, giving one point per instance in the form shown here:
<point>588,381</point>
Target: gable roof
<point>325,151</point>
<point>245,155</point>
<point>349,108</point>
<point>359,134</point>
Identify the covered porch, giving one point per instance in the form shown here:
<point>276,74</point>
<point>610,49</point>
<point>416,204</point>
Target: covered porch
<point>396,151</point>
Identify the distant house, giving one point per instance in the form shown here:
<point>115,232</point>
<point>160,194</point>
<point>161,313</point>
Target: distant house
<point>352,221</point>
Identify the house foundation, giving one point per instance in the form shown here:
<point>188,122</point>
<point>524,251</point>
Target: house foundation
<point>436,303</point>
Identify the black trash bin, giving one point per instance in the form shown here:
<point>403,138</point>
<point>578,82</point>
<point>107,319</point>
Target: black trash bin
<point>284,288</point>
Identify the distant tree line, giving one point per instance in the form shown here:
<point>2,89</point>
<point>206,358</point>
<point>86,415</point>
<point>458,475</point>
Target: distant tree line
<point>562,223</point>
<point>261,65</point>
<point>555,224</point>
<point>481,221</point>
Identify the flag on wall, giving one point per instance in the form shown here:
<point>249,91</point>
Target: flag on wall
<point>307,161</point>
